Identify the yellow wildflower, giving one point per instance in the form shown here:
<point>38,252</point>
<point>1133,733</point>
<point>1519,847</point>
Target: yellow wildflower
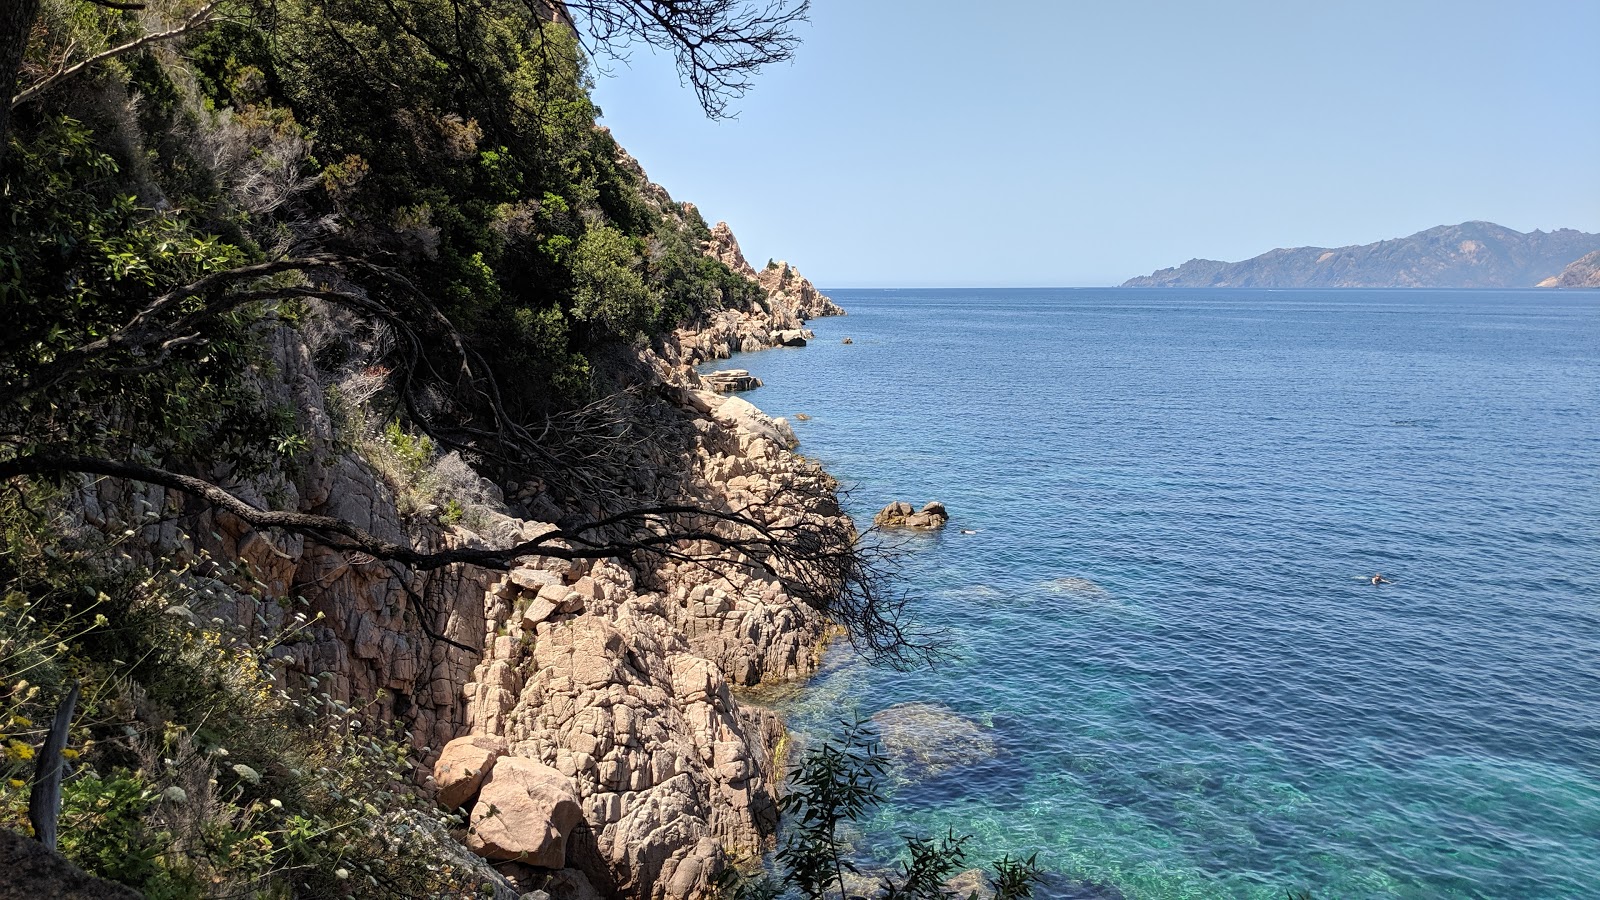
<point>69,753</point>
<point>18,751</point>
<point>17,783</point>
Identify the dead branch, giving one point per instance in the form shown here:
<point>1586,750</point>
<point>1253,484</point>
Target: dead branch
<point>199,19</point>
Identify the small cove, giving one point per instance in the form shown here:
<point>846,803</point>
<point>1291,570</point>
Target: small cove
<point>1161,621</point>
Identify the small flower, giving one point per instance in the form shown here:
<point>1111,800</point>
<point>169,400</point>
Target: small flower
<point>18,751</point>
<point>341,873</point>
<point>247,773</point>
<point>17,783</point>
<point>175,794</point>
<point>69,753</point>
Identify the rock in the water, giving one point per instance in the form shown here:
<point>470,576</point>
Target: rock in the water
<point>847,341</point>
<point>793,337</point>
<point>525,812</point>
<point>899,514</point>
<point>970,884</point>
<point>802,417</point>
<point>926,739</point>
<point>463,765</point>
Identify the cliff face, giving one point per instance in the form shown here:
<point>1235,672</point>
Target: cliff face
<point>1469,255</point>
<point>1580,273</point>
<point>617,675</point>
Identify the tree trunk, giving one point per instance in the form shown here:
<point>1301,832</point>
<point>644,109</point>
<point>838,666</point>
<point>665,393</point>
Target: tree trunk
<point>16,25</point>
<point>44,801</point>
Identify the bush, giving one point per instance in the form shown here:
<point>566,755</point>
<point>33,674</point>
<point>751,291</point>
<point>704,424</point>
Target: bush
<point>193,772</point>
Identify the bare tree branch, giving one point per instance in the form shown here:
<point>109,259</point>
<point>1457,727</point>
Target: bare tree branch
<point>818,561</point>
<point>199,19</point>
<point>718,45</point>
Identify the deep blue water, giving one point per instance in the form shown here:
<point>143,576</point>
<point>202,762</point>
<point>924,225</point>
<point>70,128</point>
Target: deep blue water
<point>1222,706</point>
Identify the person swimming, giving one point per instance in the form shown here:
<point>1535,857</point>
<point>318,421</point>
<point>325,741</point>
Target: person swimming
<point>1379,579</point>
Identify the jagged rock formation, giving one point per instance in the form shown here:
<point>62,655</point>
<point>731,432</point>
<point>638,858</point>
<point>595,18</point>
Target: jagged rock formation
<point>788,288</point>
<point>1580,273</point>
<point>1469,255</point>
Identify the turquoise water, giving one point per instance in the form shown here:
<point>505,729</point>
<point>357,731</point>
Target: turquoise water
<point>1161,619</point>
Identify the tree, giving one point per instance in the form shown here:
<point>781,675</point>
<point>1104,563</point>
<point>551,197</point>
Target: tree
<point>718,45</point>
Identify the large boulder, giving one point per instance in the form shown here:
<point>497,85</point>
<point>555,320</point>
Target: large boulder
<point>525,812</point>
<point>790,337</point>
<point>463,765</point>
<point>742,416</point>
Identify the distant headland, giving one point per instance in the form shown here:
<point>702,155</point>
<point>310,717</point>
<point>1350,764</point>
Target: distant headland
<point>1469,255</point>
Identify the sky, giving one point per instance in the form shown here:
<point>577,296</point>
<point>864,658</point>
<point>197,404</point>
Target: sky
<point>921,143</point>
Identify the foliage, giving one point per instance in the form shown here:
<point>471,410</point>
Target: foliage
<point>193,771</point>
<point>454,140</point>
<point>838,783</point>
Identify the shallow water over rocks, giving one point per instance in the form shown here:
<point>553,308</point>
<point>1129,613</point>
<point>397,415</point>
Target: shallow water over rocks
<point>1164,618</point>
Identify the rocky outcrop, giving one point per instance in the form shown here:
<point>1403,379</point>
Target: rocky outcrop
<point>1469,255</point>
<point>723,247</point>
<point>778,320</point>
<point>786,287</point>
<point>627,690</point>
<point>730,380</point>
<point>900,514</point>
<point>1580,273</point>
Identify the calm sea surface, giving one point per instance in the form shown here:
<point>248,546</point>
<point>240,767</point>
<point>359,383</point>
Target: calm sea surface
<point>1162,620</point>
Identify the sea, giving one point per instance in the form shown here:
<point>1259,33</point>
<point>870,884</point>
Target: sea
<point>1166,671</point>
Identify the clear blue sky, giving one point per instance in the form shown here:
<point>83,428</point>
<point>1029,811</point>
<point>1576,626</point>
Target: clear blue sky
<point>1048,142</point>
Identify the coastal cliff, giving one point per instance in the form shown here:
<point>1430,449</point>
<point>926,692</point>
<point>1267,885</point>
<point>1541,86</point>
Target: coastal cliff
<point>618,676</point>
<point>1469,255</point>
<point>329,471</point>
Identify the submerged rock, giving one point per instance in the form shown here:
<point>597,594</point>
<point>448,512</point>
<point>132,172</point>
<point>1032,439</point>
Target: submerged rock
<point>1081,587</point>
<point>927,739</point>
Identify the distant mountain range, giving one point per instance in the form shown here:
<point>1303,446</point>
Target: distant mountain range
<point>1469,255</point>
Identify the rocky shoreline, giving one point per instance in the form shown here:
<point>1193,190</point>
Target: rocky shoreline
<point>602,688</point>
